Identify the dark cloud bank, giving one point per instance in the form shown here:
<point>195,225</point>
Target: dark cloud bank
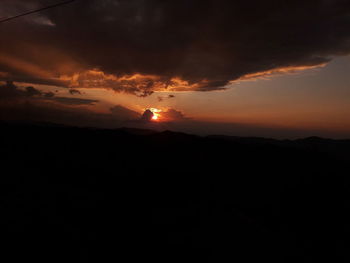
<point>205,43</point>
<point>30,104</point>
<point>11,94</point>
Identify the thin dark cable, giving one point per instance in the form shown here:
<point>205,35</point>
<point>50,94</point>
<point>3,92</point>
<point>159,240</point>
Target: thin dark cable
<point>37,10</point>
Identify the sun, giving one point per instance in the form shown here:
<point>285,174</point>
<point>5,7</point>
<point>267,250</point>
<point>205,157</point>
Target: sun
<point>156,114</point>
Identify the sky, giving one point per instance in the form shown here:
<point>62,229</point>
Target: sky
<point>246,68</point>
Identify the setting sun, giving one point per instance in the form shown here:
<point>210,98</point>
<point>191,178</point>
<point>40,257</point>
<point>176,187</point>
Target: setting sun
<point>156,114</point>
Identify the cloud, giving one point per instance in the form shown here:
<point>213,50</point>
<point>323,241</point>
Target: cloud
<point>10,93</point>
<point>124,113</point>
<point>74,101</point>
<point>162,98</point>
<point>31,92</point>
<point>147,116</point>
<point>140,47</point>
<point>173,115</point>
<point>42,111</point>
<point>31,104</point>
<point>74,92</point>
<point>49,94</point>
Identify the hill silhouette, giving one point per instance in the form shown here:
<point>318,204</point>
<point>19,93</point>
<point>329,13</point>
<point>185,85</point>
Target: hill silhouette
<point>90,195</point>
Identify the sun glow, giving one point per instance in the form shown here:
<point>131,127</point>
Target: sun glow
<point>156,114</point>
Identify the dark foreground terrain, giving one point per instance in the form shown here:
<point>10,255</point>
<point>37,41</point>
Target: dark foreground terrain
<point>85,195</point>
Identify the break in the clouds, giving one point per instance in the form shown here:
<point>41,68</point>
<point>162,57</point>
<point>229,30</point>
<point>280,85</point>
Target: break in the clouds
<point>139,47</point>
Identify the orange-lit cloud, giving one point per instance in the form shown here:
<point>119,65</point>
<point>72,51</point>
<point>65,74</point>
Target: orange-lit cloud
<point>139,48</point>
<point>278,71</point>
<point>137,84</point>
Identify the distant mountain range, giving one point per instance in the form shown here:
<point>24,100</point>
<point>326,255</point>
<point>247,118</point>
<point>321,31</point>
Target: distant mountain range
<point>91,195</point>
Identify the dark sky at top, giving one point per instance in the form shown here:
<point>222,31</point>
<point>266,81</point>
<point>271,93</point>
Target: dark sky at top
<point>207,43</point>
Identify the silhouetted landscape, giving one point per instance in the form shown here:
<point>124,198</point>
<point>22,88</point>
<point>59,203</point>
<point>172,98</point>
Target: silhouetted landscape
<point>93,195</point>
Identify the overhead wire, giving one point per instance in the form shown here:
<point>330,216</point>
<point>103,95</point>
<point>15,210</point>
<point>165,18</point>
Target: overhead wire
<point>36,11</point>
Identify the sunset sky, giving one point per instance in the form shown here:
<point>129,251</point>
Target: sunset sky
<point>248,68</point>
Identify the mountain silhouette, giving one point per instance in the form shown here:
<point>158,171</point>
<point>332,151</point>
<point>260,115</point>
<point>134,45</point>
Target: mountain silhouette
<point>92,195</point>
